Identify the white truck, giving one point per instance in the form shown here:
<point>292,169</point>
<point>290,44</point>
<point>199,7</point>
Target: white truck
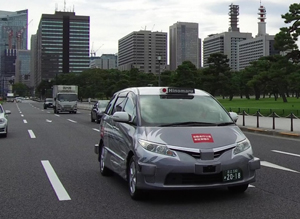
<point>10,97</point>
<point>65,98</point>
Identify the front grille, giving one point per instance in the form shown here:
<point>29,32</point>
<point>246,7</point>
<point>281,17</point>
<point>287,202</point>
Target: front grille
<point>197,155</point>
<point>192,179</point>
<point>2,129</point>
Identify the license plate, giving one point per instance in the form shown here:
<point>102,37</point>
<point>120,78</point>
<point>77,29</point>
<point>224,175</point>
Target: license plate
<point>232,175</point>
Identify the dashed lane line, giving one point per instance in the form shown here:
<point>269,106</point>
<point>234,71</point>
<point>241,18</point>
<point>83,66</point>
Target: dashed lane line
<point>24,120</point>
<point>72,120</point>
<point>287,153</point>
<point>268,164</point>
<point>58,187</point>
<point>32,135</point>
<point>97,130</point>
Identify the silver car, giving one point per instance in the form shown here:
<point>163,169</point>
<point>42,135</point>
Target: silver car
<point>173,138</point>
<point>3,121</point>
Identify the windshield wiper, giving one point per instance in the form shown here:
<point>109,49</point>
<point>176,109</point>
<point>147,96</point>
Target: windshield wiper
<point>225,123</point>
<point>189,124</point>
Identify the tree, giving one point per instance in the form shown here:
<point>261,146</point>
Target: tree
<point>286,39</point>
<point>217,74</point>
<point>186,74</point>
<point>20,89</point>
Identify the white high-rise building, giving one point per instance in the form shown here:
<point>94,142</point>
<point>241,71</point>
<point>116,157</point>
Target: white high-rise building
<point>185,44</point>
<point>226,42</point>
<point>262,45</point>
<point>141,49</point>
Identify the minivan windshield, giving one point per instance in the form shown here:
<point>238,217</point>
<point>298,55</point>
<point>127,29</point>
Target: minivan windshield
<point>186,110</point>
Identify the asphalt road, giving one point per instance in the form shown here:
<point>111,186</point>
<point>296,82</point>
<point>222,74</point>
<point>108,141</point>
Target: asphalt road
<point>48,169</point>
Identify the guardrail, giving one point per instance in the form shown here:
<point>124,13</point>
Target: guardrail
<point>291,116</point>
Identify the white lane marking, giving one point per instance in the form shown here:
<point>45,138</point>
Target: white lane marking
<point>72,120</point>
<point>251,186</point>
<point>97,130</point>
<point>57,115</point>
<point>48,112</point>
<point>268,164</point>
<point>287,153</point>
<point>20,112</point>
<point>47,120</point>
<point>42,110</point>
<point>32,135</point>
<point>58,187</point>
<point>24,120</point>
<point>22,115</point>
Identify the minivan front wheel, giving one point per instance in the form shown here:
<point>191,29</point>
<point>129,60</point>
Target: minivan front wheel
<point>135,193</point>
<point>103,169</point>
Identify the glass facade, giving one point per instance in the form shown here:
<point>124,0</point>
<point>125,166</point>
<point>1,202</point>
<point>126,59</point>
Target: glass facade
<point>184,44</point>
<point>13,36</point>
<point>62,44</point>
<point>22,67</point>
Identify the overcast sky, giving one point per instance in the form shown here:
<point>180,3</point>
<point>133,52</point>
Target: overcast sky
<point>111,20</point>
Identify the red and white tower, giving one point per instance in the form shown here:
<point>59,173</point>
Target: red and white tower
<point>262,21</point>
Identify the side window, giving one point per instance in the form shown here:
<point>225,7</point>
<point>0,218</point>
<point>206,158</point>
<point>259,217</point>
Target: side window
<point>110,105</point>
<point>130,107</point>
<point>119,105</point>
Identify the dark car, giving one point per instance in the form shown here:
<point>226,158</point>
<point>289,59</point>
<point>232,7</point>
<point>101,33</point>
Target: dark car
<point>48,103</point>
<point>97,110</point>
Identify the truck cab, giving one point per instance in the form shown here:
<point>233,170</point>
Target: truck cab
<point>65,98</point>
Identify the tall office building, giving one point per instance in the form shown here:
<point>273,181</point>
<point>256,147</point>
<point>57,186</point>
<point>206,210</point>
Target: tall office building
<point>226,42</point>
<point>184,44</point>
<point>33,63</point>
<point>141,49</point>
<point>13,36</point>
<point>262,45</point>
<point>62,44</point>
<point>22,66</point>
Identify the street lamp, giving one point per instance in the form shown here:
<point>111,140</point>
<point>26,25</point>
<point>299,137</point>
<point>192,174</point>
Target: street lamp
<point>159,60</point>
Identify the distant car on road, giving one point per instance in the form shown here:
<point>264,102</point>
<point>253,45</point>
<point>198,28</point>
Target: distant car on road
<point>3,121</point>
<point>97,110</point>
<point>48,103</point>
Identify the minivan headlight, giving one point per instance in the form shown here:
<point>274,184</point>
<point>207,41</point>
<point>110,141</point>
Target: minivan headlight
<point>2,120</point>
<point>157,148</point>
<point>242,146</point>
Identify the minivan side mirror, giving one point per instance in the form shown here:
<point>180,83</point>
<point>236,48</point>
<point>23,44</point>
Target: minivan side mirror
<point>121,117</point>
<point>234,116</point>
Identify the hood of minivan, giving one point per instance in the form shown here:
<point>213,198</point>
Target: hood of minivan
<point>193,137</point>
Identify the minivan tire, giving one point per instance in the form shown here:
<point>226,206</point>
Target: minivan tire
<point>135,193</point>
<point>103,169</point>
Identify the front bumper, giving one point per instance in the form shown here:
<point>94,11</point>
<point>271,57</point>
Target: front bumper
<point>3,128</point>
<point>170,173</point>
<point>66,109</point>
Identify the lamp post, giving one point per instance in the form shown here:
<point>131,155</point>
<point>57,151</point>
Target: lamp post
<point>159,60</point>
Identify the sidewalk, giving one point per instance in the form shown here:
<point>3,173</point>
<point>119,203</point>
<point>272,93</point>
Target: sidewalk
<point>282,125</point>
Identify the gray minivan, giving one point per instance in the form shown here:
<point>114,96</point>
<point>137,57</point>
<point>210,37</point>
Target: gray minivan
<point>173,138</point>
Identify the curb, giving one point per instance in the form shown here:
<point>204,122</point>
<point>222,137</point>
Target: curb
<point>271,132</point>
